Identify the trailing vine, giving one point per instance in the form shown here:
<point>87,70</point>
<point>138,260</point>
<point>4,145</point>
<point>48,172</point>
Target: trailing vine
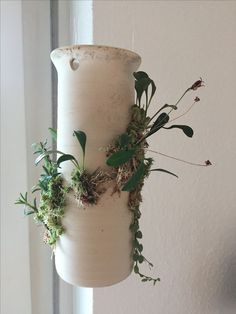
<point>129,167</point>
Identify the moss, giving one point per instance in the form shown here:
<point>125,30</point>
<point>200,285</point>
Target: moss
<point>89,187</point>
<point>51,209</point>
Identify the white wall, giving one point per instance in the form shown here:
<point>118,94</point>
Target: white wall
<point>14,228</point>
<point>26,266</point>
<point>38,112</point>
<point>188,224</point>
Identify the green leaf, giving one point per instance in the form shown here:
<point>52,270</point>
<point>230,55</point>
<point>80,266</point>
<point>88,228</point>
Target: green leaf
<point>81,137</point>
<point>28,212</point>
<point>35,188</point>
<point>135,257</point>
<point>161,120</point>
<point>136,269</point>
<point>124,140</point>
<point>121,157</point>
<point>53,133</point>
<point>141,86</point>
<point>164,107</point>
<point>134,227</point>
<point>43,155</point>
<point>65,157</point>
<point>167,106</point>
<point>153,91</point>
<point>185,128</point>
<point>140,74</point>
<point>40,157</point>
<point>46,170</point>
<point>138,235</point>
<point>22,199</point>
<point>155,281</point>
<point>46,154</point>
<point>135,243</point>
<point>140,259</point>
<point>166,171</point>
<point>132,183</point>
<point>140,247</point>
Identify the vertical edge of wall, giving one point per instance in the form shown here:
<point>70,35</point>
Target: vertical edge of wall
<point>38,107</point>
<point>15,260</point>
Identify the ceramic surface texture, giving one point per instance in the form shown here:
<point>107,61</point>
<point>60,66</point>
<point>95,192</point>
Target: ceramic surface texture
<point>95,93</point>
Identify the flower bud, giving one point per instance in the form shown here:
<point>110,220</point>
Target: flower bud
<point>197,84</point>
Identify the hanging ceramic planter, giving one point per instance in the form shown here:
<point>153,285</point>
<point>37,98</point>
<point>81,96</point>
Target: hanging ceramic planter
<point>95,94</point>
<point>90,195</point>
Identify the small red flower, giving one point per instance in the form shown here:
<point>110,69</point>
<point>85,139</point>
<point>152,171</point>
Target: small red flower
<point>197,84</point>
<point>208,163</point>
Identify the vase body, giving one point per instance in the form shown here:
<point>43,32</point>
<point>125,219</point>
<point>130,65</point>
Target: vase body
<point>95,93</point>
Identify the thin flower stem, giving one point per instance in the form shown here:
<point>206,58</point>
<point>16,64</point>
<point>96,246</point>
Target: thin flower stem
<point>183,114</point>
<point>178,159</point>
<point>156,113</point>
<point>187,90</point>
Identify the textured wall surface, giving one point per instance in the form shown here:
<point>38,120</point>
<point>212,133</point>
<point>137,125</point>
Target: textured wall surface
<point>189,223</point>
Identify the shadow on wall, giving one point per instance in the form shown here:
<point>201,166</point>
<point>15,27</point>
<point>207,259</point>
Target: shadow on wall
<point>214,286</point>
<point>228,286</point>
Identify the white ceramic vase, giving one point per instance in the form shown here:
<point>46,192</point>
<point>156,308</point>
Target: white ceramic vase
<point>95,93</point>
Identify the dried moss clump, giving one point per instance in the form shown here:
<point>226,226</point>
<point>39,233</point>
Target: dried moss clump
<point>89,187</point>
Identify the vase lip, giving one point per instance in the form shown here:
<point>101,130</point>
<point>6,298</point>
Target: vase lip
<point>95,51</point>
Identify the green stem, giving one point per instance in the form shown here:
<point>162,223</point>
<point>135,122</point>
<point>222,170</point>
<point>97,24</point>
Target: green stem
<point>146,103</point>
<point>35,209</point>
<point>83,163</point>
<point>147,278</point>
<point>171,108</point>
<point>187,90</point>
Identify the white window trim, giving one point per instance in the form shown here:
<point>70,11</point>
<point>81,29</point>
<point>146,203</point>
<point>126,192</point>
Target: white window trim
<point>15,278</point>
<point>25,117</point>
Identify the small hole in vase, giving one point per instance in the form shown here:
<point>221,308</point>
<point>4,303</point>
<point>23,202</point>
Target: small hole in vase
<point>74,64</point>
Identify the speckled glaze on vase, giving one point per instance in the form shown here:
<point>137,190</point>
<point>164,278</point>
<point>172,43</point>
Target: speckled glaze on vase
<point>95,93</point>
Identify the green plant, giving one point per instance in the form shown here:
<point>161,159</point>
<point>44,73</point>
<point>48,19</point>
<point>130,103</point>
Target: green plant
<point>129,167</point>
<point>127,153</point>
<point>50,209</point>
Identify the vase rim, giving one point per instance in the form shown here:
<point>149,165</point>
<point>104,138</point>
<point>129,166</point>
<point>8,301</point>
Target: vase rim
<point>92,51</point>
